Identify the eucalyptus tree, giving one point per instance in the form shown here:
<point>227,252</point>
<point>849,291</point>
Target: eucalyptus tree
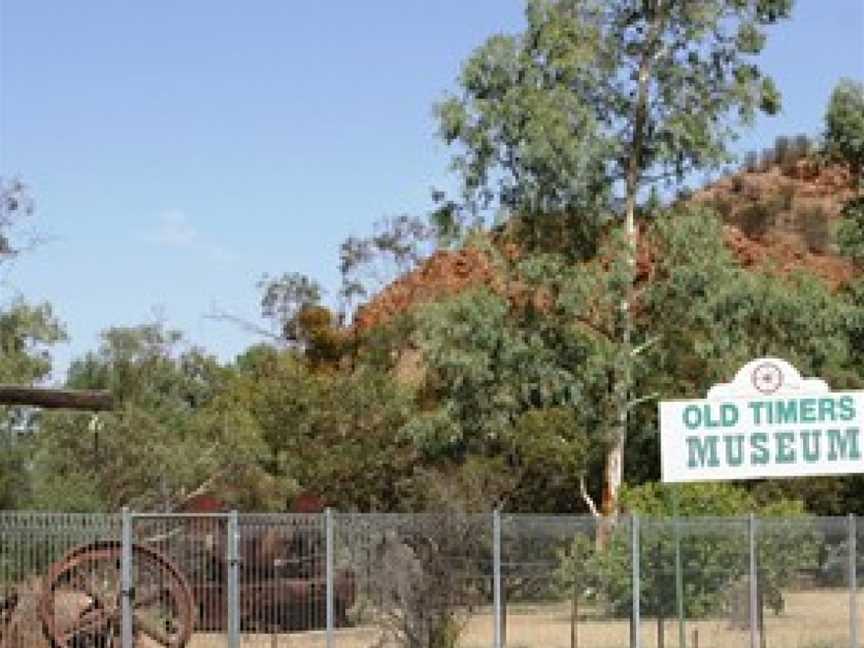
<point>597,98</point>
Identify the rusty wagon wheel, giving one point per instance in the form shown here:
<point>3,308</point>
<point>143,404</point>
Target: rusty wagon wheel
<point>80,603</point>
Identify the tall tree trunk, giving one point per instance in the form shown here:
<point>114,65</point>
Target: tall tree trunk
<point>613,472</point>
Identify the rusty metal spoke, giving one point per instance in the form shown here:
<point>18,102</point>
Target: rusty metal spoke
<point>152,630</point>
<point>89,622</point>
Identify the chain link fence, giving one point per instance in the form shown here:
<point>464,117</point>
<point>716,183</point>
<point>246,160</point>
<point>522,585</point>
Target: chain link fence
<point>338,580</point>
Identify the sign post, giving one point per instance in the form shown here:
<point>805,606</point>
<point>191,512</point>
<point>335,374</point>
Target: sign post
<point>768,422</point>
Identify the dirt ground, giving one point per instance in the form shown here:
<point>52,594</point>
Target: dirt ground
<point>812,619</point>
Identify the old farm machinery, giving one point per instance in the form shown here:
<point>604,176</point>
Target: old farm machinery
<point>79,605</point>
<point>181,566</point>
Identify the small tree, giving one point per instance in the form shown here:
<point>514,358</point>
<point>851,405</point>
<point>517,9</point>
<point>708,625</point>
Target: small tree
<point>717,546</point>
<point>423,576</point>
<point>844,123</point>
<point>577,575</point>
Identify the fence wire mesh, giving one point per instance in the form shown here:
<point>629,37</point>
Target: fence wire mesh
<point>418,580</point>
<point>30,544</point>
<point>430,581</point>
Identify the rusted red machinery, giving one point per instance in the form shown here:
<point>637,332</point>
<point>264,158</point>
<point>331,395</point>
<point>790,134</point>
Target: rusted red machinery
<point>281,574</point>
<point>282,587</point>
<point>79,606</point>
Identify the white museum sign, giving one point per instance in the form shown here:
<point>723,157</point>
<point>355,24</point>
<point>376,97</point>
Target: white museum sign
<point>768,422</point>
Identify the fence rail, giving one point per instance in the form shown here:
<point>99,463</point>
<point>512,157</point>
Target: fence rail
<point>427,580</point>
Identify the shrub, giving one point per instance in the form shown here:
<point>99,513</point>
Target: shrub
<point>850,232</point>
<point>787,195</point>
<point>717,546</point>
<point>724,207</point>
<point>801,146</point>
<point>844,123</point>
<point>421,589</point>
<point>812,223</point>
<point>755,220</point>
<point>766,160</point>
<point>782,147</point>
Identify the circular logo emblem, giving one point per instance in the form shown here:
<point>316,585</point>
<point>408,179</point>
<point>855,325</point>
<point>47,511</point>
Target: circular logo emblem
<point>767,378</point>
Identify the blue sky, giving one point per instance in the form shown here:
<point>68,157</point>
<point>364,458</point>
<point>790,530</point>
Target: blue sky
<point>179,150</point>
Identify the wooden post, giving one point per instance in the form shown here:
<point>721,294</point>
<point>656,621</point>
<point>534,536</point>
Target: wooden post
<point>76,399</point>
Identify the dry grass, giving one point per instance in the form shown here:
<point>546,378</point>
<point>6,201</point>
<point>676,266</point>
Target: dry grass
<point>812,619</point>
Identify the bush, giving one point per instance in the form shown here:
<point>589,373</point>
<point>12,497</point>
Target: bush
<point>812,223</point>
<point>801,146</point>
<point>717,548</point>
<point>850,232</point>
<point>422,583</point>
<point>844,123</point>
<point>724,207</point>
<point>782,148</point>
<point>787,195</point>
<point>755,220</point>
<point>766,160</point>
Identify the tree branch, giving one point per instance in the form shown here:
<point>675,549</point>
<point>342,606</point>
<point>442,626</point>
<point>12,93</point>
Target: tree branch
<point>642,399</point>
<point>644,346</point>
<point>586,497</point>
<point>244,324</point>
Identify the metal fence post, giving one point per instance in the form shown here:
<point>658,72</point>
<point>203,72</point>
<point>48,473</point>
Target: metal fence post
<point>754,584</point>
<point>328,530</point>
<point>853,581</point>
<point>496,574</point>
<point>233,560</point>
<point>636,587</point>
<point>679,570</point>
<point>126,585</point>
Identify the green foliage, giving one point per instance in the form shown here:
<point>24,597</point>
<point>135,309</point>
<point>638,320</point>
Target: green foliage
<point>850,231</point>
<point>844,123</point>
<point>548,120</point>
<point>26,335</point>
<point>713,550</point>
<point>694,500</point>
<point>334,434</point>
<point>161,443</point>
<point>710,316</point>
<point>529,143</point>
<point>486,371</point>
<point>551,439</point>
